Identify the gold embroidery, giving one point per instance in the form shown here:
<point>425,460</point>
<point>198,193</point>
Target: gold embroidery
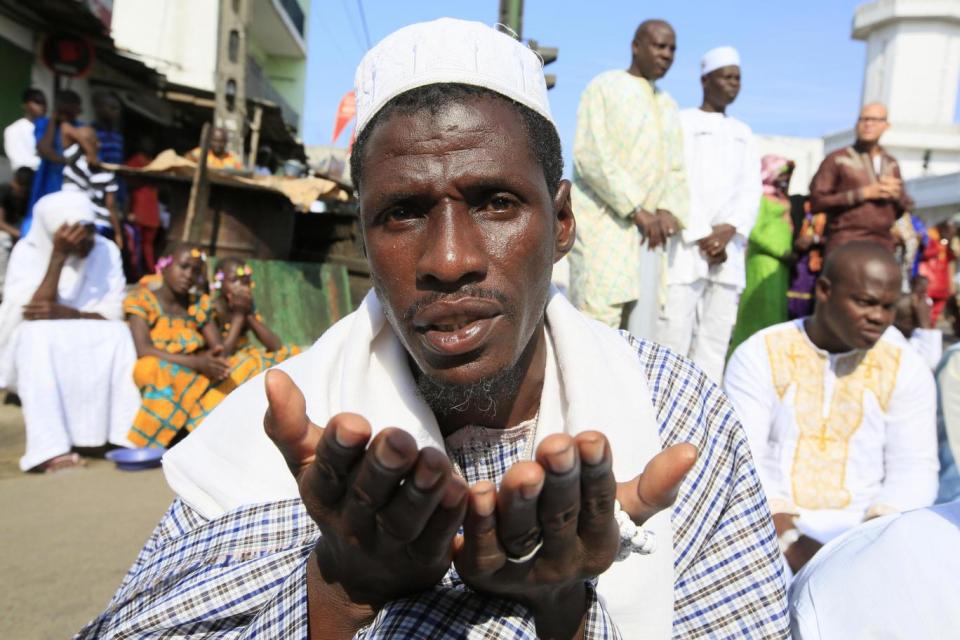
<point>818,476</point>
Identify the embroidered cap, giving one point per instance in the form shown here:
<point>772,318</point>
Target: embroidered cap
<point>718,58</point>
<point>449,50</point>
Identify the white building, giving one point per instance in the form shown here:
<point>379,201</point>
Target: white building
<point>179,39</point>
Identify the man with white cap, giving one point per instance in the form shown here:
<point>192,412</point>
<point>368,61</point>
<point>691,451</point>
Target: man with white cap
<point>706,260</point>
<point>466,393</point>
<point>629,187</point>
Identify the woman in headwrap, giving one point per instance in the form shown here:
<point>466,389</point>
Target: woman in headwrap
<point>64,348</point>
<point>769,254</point>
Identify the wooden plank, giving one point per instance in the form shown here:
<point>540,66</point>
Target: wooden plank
<point>300,300</point>
<point>199,192</point>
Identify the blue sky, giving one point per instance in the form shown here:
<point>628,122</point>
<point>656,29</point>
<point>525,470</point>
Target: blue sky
<point>802,74</point>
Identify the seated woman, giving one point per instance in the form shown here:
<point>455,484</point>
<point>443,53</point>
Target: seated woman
<point>63,346</point>
<point>181,370</point>
<point>236,316</point>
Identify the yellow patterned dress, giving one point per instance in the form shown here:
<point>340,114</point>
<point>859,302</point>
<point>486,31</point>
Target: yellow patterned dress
<point>253,359</point>
<point>174,397</point>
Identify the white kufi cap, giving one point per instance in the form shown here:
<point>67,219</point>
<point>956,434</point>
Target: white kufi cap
<point>718,58</point>
<point>449,50</point>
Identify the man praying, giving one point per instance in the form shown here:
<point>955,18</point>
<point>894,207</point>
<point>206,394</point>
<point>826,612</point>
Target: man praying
<point>466,455</point>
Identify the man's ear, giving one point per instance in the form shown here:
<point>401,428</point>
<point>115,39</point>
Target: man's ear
<point>822,289</point>
<point>565,225</point>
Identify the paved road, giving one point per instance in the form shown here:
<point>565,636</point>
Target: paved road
<point>67,538</point>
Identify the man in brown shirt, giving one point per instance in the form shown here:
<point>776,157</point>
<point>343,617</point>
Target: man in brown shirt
<point>859,187</point>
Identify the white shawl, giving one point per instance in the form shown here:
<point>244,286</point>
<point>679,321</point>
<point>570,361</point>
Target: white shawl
<point>593,381</point>
<point>93,284</point>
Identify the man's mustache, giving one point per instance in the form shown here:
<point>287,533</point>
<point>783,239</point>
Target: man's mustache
<point>470,291</point>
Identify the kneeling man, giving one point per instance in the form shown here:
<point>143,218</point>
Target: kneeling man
<point>464,392</point>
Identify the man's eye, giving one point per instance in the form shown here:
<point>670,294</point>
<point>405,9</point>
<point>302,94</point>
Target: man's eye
<point>501,203</point>
<point>399,213</point>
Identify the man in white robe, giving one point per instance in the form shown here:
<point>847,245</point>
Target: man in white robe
<point>705,273</point>
<point>839,411</point>
<point>64,348</point>
<point>896,578</point>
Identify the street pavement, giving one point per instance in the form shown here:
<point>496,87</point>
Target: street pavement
<point>67,539</point>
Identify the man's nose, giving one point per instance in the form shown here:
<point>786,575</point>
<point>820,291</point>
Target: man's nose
<point>453,252</point>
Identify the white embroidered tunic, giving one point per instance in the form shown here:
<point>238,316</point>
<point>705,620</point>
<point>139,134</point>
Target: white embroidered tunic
<point>836,438</point>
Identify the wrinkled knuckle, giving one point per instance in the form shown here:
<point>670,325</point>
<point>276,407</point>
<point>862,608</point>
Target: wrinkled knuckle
<point>561,520</point>
<point>598,506</point>
<point>362,498</point>
<point>522,541</point>
<point>487,562</point>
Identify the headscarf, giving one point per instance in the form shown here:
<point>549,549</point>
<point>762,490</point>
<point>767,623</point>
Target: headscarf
<point>94,283</point>
<point>771,167</point>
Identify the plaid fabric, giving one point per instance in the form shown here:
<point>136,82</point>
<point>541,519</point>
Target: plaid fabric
<point>243,575</point>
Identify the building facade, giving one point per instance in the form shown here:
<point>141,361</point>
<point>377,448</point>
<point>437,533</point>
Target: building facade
<point>178,38</point>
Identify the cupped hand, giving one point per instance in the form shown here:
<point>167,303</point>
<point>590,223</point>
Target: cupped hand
<point>566,500</point>
<point>388,513</point>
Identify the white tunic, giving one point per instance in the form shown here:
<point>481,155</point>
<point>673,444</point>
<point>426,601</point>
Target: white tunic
<point>723,173</point>
<point>896,577</point>
<point>836,437</point>
<point>20,145</point>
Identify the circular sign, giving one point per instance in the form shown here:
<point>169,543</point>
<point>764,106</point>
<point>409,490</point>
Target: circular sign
<point>68,54</point>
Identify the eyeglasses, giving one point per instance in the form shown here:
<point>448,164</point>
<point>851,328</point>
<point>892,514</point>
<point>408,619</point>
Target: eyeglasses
<point>869,120</point>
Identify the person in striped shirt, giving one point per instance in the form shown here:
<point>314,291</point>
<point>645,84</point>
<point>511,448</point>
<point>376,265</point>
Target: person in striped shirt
<point>82,172</point>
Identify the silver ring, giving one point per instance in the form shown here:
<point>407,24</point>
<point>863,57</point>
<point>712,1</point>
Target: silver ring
<point>527,557</point>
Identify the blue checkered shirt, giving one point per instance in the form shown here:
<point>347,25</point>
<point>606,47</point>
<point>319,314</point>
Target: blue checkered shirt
<point>243,575</point>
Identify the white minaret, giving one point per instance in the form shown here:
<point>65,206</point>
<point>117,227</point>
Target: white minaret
<point>913,67</point>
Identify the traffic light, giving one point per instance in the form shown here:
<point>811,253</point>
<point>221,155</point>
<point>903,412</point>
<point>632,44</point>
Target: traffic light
<point>548,55</point>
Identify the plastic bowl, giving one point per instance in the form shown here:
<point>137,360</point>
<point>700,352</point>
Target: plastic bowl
<point>136,459</point>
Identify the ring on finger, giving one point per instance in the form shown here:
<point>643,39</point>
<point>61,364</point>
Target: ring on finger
<point>527,556</point>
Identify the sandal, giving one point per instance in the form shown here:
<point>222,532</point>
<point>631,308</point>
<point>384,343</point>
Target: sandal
<point>62,463</point>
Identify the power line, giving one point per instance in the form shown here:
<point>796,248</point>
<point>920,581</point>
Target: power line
<point>363,21</point>
<point>353,24</point>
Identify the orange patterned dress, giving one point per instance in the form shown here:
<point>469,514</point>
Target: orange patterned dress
<point>255,359</point>
<point>175,397</point>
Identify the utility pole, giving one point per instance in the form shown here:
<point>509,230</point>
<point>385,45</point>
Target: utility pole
<point>511,19</point>
<point>230,111</point>
<point>511,15</point>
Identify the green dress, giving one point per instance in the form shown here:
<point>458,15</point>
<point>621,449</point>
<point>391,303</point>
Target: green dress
<point>764,300</point>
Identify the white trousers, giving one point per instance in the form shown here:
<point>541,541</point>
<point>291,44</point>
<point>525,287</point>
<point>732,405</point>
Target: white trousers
<point>643,318</point>
<point>75,381</point>
<point>696,321</point>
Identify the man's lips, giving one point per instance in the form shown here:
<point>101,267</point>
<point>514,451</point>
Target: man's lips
<point>451,328</point>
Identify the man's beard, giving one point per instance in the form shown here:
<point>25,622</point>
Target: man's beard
<point>479,398</point>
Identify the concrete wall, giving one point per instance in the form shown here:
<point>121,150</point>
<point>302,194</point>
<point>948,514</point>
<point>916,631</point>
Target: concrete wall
<point>179,39</point>
<point>176,37</point>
